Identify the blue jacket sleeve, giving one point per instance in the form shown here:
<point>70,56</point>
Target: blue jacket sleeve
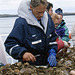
<point>14,42</point>
<point>52,43</point>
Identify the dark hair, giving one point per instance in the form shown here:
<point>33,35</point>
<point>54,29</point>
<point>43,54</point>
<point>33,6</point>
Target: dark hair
<point>49,6</point>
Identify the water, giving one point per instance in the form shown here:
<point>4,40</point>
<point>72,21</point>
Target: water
<point>70,21</point>
<point>6,25</point>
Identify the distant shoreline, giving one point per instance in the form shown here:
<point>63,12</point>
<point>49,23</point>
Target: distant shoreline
<point>8,15</point>
<point>66,14</point>
<point>11,15</point>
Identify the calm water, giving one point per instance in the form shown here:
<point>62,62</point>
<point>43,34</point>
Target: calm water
<point>6,25</point>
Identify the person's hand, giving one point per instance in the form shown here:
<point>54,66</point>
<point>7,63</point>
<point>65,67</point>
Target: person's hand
<point>66,44</point>
<point>29,57</point>
<point>52,57</point>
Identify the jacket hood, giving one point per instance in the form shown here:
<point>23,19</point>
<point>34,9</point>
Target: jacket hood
<point>25,12</point>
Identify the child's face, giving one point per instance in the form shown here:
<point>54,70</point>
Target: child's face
<point>60,18</point>
<point>56,22</point>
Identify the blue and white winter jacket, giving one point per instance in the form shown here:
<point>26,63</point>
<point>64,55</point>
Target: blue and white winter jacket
<point>29,36</point>
<point>63,31</point>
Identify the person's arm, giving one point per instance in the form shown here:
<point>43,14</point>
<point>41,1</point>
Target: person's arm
<point>14,41</point>
<point>66,34</point>
<point>52,47</point>
<point>53,43</point>
<point>61,44</point>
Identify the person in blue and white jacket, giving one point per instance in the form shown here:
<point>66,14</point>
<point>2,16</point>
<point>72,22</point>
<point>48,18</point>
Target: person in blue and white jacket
<point>33,38</point>
<point>61,28</point>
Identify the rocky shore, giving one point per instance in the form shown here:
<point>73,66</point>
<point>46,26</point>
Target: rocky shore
<point>65,64</point>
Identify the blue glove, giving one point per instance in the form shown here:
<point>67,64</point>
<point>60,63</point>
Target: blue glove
<point>52,57</point>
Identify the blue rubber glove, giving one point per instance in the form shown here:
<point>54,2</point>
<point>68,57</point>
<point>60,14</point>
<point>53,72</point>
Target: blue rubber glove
<point>52,57</point>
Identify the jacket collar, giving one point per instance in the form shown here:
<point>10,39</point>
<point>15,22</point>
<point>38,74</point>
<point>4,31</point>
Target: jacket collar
<point>61,24</point>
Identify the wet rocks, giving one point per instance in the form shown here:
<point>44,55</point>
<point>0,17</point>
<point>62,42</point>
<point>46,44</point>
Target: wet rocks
<point>65,64</point>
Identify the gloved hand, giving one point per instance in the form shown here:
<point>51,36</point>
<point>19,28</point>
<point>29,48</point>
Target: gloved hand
<point>52,57</point>
<point>66,44</point>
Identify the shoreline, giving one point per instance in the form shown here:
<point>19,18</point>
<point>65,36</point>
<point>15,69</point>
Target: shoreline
<point>15,15</point>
